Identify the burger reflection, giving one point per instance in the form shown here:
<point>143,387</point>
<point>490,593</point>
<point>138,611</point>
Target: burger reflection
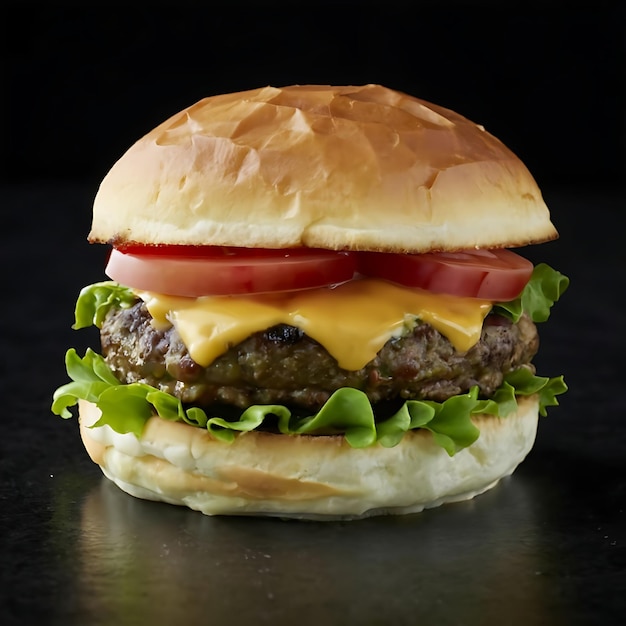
<point>154,563</point>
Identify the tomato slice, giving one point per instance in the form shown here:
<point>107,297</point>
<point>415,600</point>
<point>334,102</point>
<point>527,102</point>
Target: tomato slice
<point>498,275</point>
<point>196,271</point>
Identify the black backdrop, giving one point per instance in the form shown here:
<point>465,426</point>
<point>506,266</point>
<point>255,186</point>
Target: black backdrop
<point>80,85</point>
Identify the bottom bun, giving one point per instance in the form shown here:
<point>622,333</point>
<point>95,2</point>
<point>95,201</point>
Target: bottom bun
<point>304,476</point>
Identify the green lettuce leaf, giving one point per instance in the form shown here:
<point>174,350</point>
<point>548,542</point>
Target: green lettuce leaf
<point>94,302</point>
<point>127,407</point>
<point>526,383</point>
<point>544,288</point>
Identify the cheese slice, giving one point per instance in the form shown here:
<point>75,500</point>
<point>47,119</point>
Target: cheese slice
<point>353,321</point>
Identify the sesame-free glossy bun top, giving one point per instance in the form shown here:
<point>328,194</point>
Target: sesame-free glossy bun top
<point>339,167</point>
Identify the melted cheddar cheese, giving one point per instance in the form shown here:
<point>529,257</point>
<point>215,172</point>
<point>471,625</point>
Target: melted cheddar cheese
<point>352,320</point>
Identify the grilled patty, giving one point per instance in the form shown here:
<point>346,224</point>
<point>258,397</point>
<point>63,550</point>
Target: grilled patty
<point>281,365</point>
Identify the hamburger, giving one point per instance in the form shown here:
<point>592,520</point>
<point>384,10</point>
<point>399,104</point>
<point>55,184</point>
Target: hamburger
<point>314,308</point>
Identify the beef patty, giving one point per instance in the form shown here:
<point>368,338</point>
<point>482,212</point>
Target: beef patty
<point>282,365</point>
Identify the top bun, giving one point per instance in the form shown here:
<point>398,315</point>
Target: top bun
<point>344,168</point>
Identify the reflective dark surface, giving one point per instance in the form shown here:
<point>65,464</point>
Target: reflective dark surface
<point>547,546</point>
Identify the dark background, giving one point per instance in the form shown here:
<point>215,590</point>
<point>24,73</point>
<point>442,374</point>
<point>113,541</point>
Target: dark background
<point>81,84</point>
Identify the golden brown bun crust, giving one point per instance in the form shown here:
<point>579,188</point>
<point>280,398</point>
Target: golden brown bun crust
<point>361,168</point>
<point>305,477</point>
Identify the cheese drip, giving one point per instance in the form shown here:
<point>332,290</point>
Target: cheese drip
<point>353,321</point>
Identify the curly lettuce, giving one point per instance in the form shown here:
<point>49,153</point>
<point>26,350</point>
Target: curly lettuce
<point>127,407</point>
<point>545,287</point>
<point>95,301</point>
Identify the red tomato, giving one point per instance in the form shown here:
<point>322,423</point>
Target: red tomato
<point>205,270</point>
<point>497,275</point>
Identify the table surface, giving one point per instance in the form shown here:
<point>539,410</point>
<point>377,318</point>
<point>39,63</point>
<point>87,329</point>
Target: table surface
<point>546,546</point>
